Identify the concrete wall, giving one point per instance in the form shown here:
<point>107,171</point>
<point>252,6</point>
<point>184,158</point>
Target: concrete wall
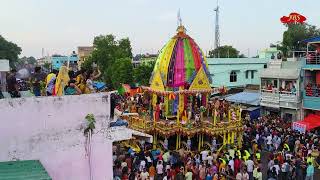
<point>49,129</point>
<point>220,69</point>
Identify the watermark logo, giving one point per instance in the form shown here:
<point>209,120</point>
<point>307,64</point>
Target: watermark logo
<point>293,18</point>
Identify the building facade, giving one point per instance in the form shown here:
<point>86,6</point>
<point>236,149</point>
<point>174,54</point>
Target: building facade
<point>236,72</point>
<point>144,59</point>
<point>42,61</point>
<point>83,53</point>
<point>59,60</point>
<point>311,85</point>
<point>269,53</point>
<point>280,89</point>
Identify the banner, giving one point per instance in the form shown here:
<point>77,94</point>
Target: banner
<point>299,127</point>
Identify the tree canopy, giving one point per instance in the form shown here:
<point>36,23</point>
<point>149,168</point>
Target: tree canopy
<point>10,51</point>
<point>110,53</point>
<point>225,52</point>
<point>143,72</point>
<point>122,72</point>
<point>25,60</point>
<point>293,36</point>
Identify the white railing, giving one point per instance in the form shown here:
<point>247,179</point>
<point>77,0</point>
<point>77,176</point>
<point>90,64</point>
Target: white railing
<point>289,93</point>
<point>273,91</point>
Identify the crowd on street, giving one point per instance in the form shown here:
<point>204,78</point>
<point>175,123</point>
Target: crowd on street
<point>270,150</point>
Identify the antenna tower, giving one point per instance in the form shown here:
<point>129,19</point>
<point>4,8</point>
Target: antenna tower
<point>217,29</point>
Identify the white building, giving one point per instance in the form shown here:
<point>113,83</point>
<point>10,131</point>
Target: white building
<point>280,89</point>
<point>49,129</point>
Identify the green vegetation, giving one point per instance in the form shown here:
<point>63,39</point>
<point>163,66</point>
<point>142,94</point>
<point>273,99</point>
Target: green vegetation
<point>143,72</point>
<point>113,57</point>
<point>10,51</point>
<point>293,36</point>
<point>90,123</point>
<point>225,52</point>
<point>122,72</point>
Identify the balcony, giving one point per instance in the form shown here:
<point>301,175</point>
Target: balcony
<point>270,98</point>
<point>277,99</point>
<point>289,100</point>
<point>311,97</point>
<point>312,62</point>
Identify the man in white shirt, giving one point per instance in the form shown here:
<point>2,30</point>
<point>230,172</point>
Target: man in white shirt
<point>231,163</point>
<point>142,165</point>
<point>204,155</point>
<point>269,142</point>
<point>159,168</point>
<point>214,144</point>
<point>250,166</point>
<point>209,159</point>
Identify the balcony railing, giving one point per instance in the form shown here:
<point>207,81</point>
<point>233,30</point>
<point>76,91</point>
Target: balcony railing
<point>312,90</point>
<point>313,59</point>
<point>272,91</point>
<point>275,98</point>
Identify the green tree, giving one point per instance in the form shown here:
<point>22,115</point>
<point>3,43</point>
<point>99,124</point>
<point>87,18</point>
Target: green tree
<point>87,64</point>
<point>47,65</point>
<point>10,51</point>
<point>122,72</point>
<point>224,52</point>
<point>143,72</point>
<point>293,36</point>
<point>107,50</point>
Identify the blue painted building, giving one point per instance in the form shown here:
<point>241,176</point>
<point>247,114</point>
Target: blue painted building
<point>58,60</point>
<point>311,85</point>
<point>236,72</point>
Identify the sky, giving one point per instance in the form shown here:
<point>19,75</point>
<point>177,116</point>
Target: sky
<point>60,26</point>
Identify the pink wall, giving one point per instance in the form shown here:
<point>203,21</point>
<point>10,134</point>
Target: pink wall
<point>48,128</point>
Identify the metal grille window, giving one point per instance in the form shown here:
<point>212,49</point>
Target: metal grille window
<point>233,76</point>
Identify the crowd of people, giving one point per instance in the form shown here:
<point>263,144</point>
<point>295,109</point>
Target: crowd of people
<point>55,83</point>
<point>270,150</point>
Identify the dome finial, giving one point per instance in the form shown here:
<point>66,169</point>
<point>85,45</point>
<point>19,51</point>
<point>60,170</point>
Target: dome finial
<point>181,28</point>
<point>179,20</point>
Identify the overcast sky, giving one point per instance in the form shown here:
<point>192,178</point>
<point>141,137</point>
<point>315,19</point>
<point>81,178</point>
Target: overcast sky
<point>59,26</point>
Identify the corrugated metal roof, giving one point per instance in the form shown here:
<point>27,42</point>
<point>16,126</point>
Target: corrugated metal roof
<point>280,73</point>
<point>23,170</point>
<point>282,70</point>
<point>312,40</point>
<point>250,98</point>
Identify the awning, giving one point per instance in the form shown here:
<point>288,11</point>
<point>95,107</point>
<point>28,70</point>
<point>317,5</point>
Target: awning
<point>148,137</point>
<point>310,122</point>
<point>313,40</point>
<point>250,98</point>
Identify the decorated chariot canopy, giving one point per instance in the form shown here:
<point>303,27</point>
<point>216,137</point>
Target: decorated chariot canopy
<point>181,66</point>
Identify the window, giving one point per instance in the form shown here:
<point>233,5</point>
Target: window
<point>247,74</point>
<point>265,66</point>
<point>57,62</point>
<point>252,74</point>
<point>233,76</point>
